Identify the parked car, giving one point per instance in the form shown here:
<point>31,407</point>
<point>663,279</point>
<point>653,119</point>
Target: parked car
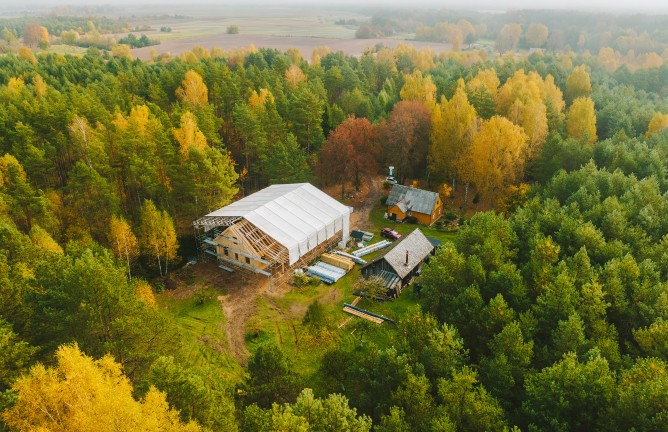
<point>390,234</point>
<point>391,180</point>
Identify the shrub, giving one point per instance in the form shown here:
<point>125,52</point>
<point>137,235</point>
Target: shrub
<point>372,287</point>
<point>202,297</point>
<point>411,220</point>
<point>450,216</point>
<point>383,200</point>
<point>232,29</point>
<point>315,316</point>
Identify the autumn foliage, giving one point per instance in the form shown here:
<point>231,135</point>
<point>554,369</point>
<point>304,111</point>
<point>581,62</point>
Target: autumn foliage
<point>350,152</point>
<point>80,393</point>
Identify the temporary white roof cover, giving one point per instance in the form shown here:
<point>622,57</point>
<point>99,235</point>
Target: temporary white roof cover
<point>298,216</point>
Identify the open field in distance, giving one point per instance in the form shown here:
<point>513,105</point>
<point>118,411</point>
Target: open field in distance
<point>279,28</point>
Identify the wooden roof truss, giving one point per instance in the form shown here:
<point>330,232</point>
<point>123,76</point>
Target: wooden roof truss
<point>240,231</point>
<point>209,222</point>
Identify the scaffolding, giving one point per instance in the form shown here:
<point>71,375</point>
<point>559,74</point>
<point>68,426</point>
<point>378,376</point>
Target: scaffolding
<point>271,253</point>
<point>272,231</point>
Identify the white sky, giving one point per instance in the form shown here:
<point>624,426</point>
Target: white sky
<point>605,5</point>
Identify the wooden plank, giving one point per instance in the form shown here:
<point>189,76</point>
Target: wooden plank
<point>338,261</point>
<point>362,315</point>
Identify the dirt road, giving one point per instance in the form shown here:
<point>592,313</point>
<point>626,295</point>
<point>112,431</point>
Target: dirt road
<point>360,217</point>
<point>238,306</point>
<point>240,302</point>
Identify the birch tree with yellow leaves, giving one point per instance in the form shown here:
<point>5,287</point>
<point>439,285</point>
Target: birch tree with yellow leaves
<point>578,84</point>
<point>497,157</point>
<point>658,123</point>
<point>193,90</point>
<point>123,242</point>
<point>581,120</point>
<point>419,88</point>
<point>188,135</point>
<point>157,236</point>
<point>454,124</point>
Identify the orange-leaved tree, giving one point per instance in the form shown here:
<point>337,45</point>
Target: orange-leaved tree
<point>405,138</point>
<point>349,152</point>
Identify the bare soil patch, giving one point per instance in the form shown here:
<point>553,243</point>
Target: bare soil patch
<point>238,306</point>
<point>364,203</point>
<point>238,295</point>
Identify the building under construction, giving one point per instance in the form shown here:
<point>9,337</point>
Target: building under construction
<point>274,230</point>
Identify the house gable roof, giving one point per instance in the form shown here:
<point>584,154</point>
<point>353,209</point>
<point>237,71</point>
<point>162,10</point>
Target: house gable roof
<point>416,200</point>
<point>416,244</point>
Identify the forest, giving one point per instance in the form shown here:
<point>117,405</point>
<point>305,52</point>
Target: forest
<point>549,312</point>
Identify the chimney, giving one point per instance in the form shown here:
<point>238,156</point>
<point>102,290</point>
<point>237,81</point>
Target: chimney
<point>406,259</point>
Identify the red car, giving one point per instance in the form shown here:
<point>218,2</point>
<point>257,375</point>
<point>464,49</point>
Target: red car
<point>390,234</point>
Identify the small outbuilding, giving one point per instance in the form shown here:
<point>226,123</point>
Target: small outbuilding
<point>399,264</point>
<point>405,201</point>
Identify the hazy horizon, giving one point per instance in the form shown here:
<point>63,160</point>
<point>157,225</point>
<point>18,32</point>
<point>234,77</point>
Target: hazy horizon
<point>647,6</point>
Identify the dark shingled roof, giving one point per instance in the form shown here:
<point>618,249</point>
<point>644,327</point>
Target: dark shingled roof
<point>418,247</point>
<point>415,200</point>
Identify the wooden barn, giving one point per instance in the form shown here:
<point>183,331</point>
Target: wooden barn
<point>273,230</point>
<point>397,265</point>
<point>405,201</point>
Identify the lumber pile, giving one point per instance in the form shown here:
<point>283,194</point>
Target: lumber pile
<point>361,314</point>
<point>338,261</point>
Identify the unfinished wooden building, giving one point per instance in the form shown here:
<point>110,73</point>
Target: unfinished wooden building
<point>273,230</point>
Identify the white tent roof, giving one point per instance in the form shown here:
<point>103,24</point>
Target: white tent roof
<point>298,216</point>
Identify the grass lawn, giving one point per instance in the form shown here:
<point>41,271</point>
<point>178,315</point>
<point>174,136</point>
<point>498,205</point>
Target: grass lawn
<point>379,222</point>
<point>279,319</point>
<point>201,328</point>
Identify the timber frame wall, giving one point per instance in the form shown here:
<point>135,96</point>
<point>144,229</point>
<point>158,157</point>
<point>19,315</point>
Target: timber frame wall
<point>272,255</point>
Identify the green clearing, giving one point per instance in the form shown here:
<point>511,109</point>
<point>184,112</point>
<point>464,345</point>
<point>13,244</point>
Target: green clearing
<point>271,325</point>
<point>201,332</point>
<point>278,319</point>
<point>379,222</point>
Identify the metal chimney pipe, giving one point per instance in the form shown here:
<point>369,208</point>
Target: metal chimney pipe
<point>406,258</point>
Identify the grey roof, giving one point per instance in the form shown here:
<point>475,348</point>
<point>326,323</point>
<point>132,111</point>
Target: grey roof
<point>416,200</point>
<point>357,235</point>
<point>435,242</point>
<point>417,246</point>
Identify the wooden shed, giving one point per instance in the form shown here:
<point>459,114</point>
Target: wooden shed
<point>399,264</point>
<point>404,202</point>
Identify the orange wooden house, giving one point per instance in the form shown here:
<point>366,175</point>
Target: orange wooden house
<point>404,202</point>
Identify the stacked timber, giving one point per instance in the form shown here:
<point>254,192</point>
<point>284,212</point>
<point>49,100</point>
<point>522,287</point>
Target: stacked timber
<point>339,261</point>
